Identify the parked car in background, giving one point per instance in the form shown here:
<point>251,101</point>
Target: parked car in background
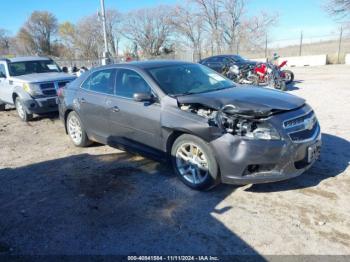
<point>212,129</point>
<point>30,83</point>
<point>220,61</point>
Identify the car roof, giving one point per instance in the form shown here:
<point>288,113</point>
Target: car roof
<point>223,56</point>
<point>27,58</point>
<point>146,64</point>
<point>157,63</point>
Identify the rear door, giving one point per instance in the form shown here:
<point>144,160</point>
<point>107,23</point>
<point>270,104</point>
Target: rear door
<point>132,121</point>
<point>92,99</point>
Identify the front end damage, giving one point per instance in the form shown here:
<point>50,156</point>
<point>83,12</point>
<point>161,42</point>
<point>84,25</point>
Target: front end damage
<point>253,146</point>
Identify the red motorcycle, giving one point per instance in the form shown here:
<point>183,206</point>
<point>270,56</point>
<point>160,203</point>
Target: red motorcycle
<point>287,75</point>
<point>269,74</point>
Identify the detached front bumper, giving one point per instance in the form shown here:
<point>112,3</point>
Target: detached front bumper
<point>41,105</point>
<point>244,161</point>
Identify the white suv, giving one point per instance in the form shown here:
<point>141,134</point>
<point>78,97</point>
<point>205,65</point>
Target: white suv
<point>31,84</point>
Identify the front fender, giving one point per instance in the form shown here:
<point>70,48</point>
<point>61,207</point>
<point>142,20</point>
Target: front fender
<point>23,95</point>
<point>174,120</point>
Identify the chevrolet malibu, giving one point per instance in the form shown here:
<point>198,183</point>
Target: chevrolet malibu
<point>210,128</point>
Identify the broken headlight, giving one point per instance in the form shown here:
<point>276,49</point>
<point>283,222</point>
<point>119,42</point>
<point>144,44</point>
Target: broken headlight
<point>263,131</point>
<point>250,128</point>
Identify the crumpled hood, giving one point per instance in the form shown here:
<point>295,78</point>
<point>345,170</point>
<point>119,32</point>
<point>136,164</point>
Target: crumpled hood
<point>43,77</point>
<point>261,101</point>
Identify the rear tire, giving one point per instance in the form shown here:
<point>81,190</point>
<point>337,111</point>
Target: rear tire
<point>22,111</point>
<point>2,107</point>
<point>76,131</point>
<point>290,79</point>
<point>194,162</point>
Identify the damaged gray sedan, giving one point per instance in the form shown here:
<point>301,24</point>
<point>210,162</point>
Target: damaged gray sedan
<point>212,129</point>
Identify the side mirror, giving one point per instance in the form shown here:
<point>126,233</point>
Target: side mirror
<point>143,97</point>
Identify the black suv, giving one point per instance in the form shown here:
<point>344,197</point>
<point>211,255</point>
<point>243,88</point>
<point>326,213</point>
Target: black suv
<point>211,128</point>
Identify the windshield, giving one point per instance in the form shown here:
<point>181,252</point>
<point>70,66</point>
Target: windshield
<point>30,67</point>
<point>188,79</point>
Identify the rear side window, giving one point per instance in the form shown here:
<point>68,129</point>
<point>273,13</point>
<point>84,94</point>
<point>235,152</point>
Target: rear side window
<point>212,60</point>
<point>101,81</point>
<point>220,59</point>
<point>2,70</point>
<point>129,82</point>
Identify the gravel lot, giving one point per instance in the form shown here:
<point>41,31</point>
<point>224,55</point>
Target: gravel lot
<point>58,199</point>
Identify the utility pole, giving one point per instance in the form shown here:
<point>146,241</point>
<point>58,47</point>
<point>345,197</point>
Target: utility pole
<point>266,47</point>
<point>105,59</point>
<point>340,40</point>
<point>301,43</point>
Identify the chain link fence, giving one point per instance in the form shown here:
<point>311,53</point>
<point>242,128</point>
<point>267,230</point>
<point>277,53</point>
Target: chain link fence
<point>335,46</point>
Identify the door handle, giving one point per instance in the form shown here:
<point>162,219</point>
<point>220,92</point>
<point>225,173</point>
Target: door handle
<point>82,100</point>
<point>115,109</point>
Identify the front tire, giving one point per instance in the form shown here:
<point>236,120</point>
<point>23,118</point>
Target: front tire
<point>22,111</point>
<point>194,162</point>
<point>76,130</point>
<point>2,107</point>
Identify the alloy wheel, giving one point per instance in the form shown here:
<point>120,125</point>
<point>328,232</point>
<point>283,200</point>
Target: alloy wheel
<point>192,164</point>
<point>75,130</point>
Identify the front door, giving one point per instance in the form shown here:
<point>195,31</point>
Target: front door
<point>132,121</point>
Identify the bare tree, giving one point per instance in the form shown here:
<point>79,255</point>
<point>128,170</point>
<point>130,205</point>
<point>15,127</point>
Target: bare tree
<point>211,11</point>
<point>190,25</point>
<point>88,37</point>
<point>67,33</point>
<point>25,44</point>
<point>36,34</point>
<point>254,30</point>
<point>232,19</point>
<point>339,8</point>
<point>113,24</point>
<point>149,28</point>
<point>4,42</point>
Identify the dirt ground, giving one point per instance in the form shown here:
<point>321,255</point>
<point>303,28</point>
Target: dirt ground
<point>58,199</point>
